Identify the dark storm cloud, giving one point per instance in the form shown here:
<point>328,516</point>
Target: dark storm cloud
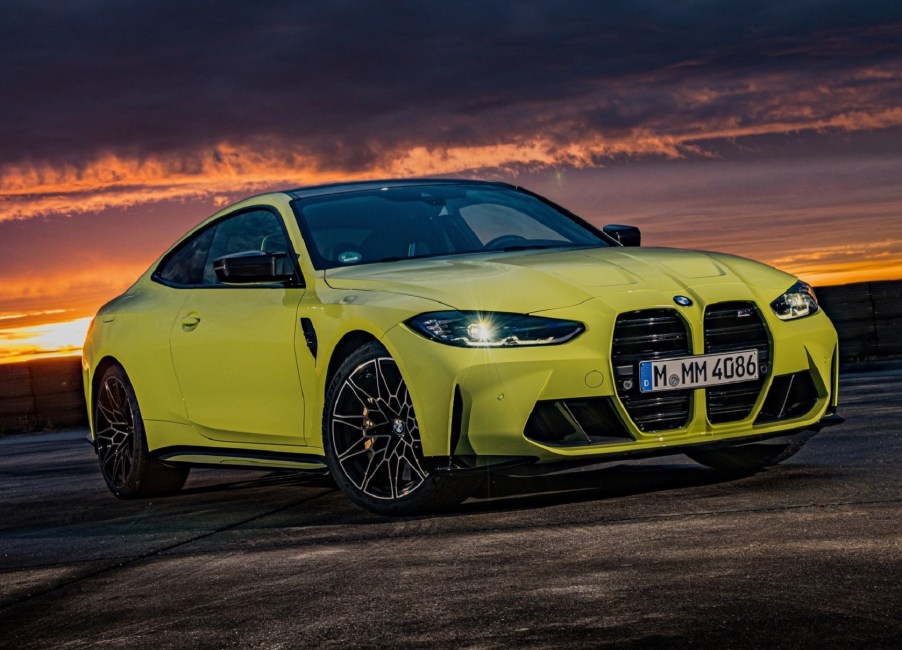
<point>350,82</point>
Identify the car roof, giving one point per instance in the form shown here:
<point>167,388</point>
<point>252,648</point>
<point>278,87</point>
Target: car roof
<point>361,186</point>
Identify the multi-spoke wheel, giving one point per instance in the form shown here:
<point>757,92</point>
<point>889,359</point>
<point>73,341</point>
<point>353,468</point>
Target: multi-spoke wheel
<point>127,467</point>
<point>372,439</point>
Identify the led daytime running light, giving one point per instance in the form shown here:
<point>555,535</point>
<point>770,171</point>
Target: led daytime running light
<point>469,329</point>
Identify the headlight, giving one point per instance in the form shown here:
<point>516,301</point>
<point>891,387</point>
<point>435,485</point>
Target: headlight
<point>470,329</point>
<point>798,301</point>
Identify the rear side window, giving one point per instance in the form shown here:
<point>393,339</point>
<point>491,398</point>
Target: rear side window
<point>185,265</point>
<point>191,263</point>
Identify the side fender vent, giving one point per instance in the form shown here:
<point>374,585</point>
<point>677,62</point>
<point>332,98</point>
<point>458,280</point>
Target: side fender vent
<point>457,413</point>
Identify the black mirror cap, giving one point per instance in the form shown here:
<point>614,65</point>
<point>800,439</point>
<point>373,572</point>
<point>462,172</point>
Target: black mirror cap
<point>251,267</point>
<point>624,235</point>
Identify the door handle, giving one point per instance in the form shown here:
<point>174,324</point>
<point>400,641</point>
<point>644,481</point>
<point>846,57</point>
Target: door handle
<point>190,322</point>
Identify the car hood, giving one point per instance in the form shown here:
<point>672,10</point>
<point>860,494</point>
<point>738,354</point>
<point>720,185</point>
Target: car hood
<point>526,282</point>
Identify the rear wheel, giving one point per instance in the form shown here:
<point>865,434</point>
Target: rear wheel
<point>127,467</point>
<point>747,458</point>
<point>372,439</point>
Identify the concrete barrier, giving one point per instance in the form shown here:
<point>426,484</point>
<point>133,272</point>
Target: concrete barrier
<point>868,319</point>
<point>41,395</point>
<point>47,394</point>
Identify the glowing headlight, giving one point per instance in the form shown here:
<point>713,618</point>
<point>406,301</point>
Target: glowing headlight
<point>470,329</point>
<point>798,301</point>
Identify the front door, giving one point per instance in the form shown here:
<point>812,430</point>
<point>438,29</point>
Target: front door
<point>233,347</point>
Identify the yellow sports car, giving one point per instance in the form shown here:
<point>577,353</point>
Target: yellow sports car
<point>410,334</point>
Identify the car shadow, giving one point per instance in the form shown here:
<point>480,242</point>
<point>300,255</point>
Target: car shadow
<point>252,479</point>
<point>324,505</point>
<point>513,493</point>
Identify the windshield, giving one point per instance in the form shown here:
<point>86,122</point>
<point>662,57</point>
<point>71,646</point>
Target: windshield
<point>395,223</point>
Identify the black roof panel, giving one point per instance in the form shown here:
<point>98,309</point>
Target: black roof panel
<point>361,186</point>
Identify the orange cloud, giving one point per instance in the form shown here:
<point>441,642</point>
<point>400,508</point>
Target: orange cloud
<point>51,297</point>
<point>112,181</point>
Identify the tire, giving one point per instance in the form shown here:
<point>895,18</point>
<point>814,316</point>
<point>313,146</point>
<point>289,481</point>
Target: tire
<point>748,458</point>
<point>372,439</point>
<point>121,444</point>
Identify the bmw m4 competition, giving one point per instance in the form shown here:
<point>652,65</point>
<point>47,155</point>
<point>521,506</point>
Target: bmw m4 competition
<point>407,335</point>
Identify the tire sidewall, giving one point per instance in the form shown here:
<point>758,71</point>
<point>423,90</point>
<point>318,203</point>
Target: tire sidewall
<point>147,476</point>
<point>427,496</point>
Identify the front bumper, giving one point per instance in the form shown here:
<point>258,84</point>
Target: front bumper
<point>530,466</point>
<point>477,403</point>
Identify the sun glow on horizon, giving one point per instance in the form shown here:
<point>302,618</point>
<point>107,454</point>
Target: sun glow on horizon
<point>827,275</point>
<point>41,341</point>
<point>66,338</point>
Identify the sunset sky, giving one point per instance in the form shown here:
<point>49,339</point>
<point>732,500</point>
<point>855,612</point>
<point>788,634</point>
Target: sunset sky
<point>771,130</point>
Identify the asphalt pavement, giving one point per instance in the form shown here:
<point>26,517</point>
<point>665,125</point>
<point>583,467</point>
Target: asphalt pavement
<point>660,553</point>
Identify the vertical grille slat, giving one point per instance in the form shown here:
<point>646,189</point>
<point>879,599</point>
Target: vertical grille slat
<point>653,334</point>
<point>731,327</point>
<point>645,336</point>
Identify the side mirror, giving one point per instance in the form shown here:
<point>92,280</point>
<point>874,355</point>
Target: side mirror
<point>624,235</point>
<point>253,266</point>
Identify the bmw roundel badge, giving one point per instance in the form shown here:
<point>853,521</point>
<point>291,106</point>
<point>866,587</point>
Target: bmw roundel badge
<point>682,301</point>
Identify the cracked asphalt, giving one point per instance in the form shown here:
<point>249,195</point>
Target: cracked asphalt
<point>661,552</point>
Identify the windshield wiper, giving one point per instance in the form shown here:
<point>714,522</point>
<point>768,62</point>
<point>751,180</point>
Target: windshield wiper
<point>527,247</point>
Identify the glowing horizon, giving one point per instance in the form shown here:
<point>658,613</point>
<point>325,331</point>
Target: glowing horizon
<point>59,339</point>
<point>65,337</point>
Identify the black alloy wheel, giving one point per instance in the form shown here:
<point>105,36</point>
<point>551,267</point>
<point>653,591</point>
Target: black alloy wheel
<point>372,439</point>
<point>127,467</point>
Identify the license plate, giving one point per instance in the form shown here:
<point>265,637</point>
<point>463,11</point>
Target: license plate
<point>698,371</point>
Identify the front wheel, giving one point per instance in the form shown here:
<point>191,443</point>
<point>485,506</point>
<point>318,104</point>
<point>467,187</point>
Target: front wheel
<point>747,458</point>
<point>372,439</point>
<point>127,467</point>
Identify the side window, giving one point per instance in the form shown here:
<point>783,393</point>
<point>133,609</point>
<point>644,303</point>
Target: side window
<point>185,265</point>
<point>257,230</point>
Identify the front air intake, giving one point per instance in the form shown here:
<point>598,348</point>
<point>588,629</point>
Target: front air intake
<point>732,327</point>
<point>573,422</point>
<point>648,335</point>
<point>790,396</point>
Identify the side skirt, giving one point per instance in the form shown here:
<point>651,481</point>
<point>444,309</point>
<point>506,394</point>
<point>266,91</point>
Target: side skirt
<point>238,458</point>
